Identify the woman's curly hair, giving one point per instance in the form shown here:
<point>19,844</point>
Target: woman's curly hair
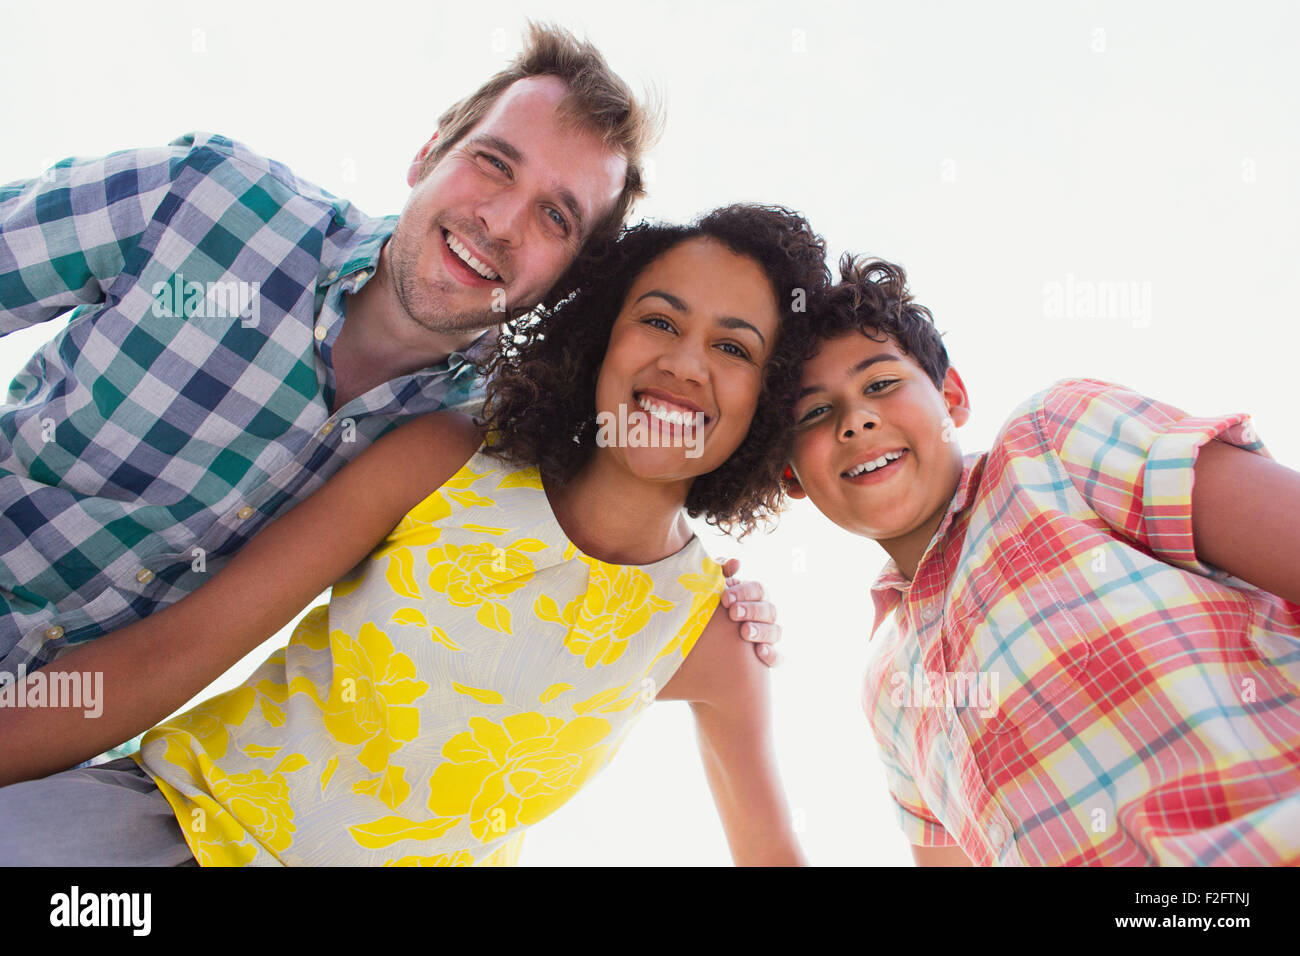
<point>541,389</point>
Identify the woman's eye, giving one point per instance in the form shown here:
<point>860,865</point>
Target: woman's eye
<point>659,322</point>
<point>735,350</point>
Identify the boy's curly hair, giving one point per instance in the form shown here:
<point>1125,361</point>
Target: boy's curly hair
<point>540,405</point>
<point>872,298</point>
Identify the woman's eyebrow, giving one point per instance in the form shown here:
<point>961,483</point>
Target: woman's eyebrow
<point>857,369</point>
<point>727,321</point>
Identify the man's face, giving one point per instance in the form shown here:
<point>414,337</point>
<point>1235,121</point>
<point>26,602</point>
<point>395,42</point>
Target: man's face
<point>496,222</point>
<point>865,401</point>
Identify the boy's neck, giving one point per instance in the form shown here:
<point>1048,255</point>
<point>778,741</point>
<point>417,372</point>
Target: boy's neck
<point>907,550</point>
<point>616,517</point>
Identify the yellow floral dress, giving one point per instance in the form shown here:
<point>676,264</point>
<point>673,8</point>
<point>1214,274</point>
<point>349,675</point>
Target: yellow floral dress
<point>464,681</point>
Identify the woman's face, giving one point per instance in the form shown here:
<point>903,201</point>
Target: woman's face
<point>681,378</point>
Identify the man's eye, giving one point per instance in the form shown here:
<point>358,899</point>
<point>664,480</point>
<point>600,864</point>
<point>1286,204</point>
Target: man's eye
<point>495,162</point>
<point>558,218</point>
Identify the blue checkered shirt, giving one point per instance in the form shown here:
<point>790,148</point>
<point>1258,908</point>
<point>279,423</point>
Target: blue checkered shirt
<point>187,401</point>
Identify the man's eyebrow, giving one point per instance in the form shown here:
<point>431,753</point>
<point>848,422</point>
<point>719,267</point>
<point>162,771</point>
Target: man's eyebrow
<point>509,151</point>
<point>856,370</point>
<point>500,145</point>
<point>727,321</point>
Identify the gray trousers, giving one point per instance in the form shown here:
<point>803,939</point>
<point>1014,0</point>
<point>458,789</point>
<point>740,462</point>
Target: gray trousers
<point>111,814</point>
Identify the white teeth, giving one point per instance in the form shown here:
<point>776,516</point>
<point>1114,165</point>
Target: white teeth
<point>672,416</point>
<point>458,247</point>
<point>868,466</point>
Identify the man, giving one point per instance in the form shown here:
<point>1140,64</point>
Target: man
<point>241,334</point>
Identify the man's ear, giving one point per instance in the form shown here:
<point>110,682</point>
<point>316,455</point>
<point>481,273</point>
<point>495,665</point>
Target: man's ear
<point>791,484</point>
<point>417,165</point>
<point>956,398</point>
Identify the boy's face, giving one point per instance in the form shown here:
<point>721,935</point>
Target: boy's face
<point>861,401</point>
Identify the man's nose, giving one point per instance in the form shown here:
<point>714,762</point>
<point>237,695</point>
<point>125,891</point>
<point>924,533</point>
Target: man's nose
<point>502,216</point>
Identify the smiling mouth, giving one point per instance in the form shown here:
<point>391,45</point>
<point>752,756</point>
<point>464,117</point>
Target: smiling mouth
<point>461,251</point>
<point>670,412</point>
<point>886,460</point>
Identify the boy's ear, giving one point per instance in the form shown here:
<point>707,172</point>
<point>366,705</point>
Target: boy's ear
<point>417,164</point>
<point>956,397</point>
<point>791,484</point>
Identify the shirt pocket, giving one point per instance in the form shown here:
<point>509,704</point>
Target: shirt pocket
<point>1011,634</point>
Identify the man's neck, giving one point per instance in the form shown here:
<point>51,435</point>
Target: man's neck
<point>380,342</point>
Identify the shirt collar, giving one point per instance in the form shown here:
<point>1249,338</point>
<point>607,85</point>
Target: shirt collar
<point>890,587</point>
<point>358,252</point>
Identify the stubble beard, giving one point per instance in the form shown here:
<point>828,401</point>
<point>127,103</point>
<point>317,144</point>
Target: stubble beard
<point>425,300</point>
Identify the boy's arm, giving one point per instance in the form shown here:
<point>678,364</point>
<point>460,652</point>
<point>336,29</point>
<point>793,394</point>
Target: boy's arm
<point>940,856</point>
<point>154,666</point>
<point>1246,518</point>
<point>728,690</point>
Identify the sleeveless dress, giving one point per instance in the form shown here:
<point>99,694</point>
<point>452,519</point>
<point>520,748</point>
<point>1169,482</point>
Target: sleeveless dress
<point>465,680</point>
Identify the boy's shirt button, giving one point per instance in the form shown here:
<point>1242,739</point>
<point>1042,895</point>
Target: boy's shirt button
<point>929,613</point>
<point>996,835</point>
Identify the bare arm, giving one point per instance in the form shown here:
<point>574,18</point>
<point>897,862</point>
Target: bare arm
<point>727,686</point>
<point>940,856</point>
<point>154,666</point>
<point>1246,518</point>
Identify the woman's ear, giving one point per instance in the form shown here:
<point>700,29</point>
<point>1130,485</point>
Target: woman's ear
<point>790,484</point>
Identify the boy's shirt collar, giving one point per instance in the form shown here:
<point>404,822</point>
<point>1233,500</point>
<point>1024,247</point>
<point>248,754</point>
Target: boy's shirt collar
<point>890,587</point>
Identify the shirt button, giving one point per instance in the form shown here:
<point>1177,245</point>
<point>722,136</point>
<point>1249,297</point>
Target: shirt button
<point>362,277</point>
<point>327,428</point>
<point>334,274</point>
<point>320,333</point>
<point>54,633</point>
<point>245,512</point>
<point>144,575</point>
<point>996,835</point>
<point>929,613</point>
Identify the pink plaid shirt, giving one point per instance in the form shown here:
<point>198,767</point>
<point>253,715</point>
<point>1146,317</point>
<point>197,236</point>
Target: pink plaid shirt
<point>1063,682</point>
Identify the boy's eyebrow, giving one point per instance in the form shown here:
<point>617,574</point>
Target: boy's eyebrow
<point>857,369</point>
<point>509,151</point>
<point>727,321</point>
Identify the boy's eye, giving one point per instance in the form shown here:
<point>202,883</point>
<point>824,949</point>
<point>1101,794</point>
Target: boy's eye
<point>811,414</point>
<point>882,383</point>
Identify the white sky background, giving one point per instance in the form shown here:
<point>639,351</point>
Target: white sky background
<point>993,151</point>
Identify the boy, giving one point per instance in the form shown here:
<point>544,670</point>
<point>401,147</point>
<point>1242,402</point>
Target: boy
<point>1085,663</point>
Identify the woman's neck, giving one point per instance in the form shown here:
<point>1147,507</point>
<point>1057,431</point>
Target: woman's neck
<point>616,517</point>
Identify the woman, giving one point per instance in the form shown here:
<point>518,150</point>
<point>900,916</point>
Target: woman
<point>535,585</point>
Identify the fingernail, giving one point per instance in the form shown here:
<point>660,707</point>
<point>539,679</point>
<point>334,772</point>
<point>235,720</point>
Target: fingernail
<point>740,612</point>
<point>748,631</point>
